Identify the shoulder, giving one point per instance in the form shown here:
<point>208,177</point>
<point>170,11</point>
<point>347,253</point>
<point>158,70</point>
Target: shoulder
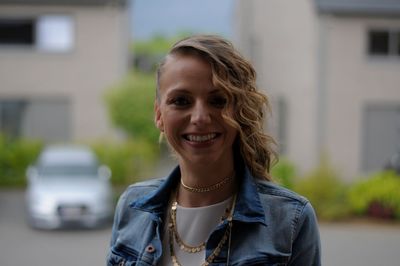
<point>141,189</point>
<point>281,202</point>
<point>145,186</point>
<point>283,206</point>
<point>268,189</point>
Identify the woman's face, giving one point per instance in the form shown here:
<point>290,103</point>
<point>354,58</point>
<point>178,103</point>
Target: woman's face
<point>189,112</point>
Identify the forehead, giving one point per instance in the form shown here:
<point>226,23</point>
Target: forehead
<point>186,63</point>
<point>186,70</point>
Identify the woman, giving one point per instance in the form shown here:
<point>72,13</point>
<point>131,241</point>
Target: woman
<point>219,206</point>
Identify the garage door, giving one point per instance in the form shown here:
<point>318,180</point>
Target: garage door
<point>381,135</point>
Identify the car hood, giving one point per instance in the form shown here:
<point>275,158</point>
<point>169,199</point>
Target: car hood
<point>70,189</point>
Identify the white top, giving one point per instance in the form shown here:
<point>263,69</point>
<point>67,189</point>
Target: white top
<point>194,226</point>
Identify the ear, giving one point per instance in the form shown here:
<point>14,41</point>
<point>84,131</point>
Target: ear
<point>157,116</point>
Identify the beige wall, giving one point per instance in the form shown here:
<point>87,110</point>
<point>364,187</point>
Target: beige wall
<point>99,58</point>
<point>319,65</point>
<point>285,58</point>
<point>355,79</point>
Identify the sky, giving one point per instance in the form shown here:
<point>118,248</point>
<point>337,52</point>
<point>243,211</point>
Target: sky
<point>169,17</point>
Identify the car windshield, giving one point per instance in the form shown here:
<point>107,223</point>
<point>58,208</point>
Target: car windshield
<point>68,170</point>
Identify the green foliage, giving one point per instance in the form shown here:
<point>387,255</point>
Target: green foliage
<point>15,157</point>
<point>131,104</point>
<point>154,46</point>
<point>157,45</point>
<point>148,54</point>
<point>284,173</point>
<point>382,187</point>
<point>325,191</point>
<point>129,161</point>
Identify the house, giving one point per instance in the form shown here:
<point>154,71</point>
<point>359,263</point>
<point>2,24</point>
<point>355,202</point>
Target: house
<point>332,70</point>
<point>57,58</point>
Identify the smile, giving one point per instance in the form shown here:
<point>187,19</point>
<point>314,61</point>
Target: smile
<point>200,138</point>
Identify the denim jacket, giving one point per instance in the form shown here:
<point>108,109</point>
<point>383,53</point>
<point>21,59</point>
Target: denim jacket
<point>271,226</point>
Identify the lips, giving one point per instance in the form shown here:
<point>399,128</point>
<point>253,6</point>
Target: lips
<point>200,138</point>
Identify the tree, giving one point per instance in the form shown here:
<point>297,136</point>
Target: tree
<point>130,105</point>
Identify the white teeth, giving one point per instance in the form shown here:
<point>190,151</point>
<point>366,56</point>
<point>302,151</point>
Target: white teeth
<point>197,138</point>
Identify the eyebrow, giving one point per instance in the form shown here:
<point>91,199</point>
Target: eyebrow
<point>186,91</point>
<point>177,91</point>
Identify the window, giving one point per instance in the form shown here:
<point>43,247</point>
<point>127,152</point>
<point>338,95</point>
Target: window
<point>384,42</point>
<point>48,33</point>
<point>17,31</point>
<point>398,43</point>
<point>379,42</point>
<point>46,119</point>
<point>11,115</point>
<point>54,33</point>
<point>381,123</point>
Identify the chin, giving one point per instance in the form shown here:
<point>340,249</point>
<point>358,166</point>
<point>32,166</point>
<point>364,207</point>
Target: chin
<point>205,159</point>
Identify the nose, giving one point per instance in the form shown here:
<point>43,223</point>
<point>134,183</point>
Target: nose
<point>201,114</point>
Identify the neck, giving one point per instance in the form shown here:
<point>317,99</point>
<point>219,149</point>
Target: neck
<point>192,199</point>
<point>202,177</point>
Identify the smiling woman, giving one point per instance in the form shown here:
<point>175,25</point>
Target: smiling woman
<point>219,205</point>
<point>189,111</point>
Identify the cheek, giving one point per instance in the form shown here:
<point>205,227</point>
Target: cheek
<point>172,133</point>
<point>170,123</point>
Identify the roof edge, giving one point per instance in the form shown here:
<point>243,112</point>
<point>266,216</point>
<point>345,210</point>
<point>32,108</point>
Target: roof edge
<point>365,7</point>
<point>65,2</point>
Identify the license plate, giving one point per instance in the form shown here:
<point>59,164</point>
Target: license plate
<point>71,213</point>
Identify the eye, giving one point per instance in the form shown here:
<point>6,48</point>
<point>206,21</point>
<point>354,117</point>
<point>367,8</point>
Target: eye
<point>218,101</point>
<point>180,101</point>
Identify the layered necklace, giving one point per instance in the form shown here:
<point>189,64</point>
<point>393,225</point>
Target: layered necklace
<point>174,235</point>
<point>209,188</point>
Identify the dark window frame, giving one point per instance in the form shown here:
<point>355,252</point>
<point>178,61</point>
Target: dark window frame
<point>31,33</point>
<point>11,115</point>
<point>376,46</point>
<point>18,31</point>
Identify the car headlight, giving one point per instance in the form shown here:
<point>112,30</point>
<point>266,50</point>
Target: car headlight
<point>43,205</point>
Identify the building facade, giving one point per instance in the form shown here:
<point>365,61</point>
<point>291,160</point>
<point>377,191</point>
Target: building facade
<point>332,70</point>
<point>57,58</point>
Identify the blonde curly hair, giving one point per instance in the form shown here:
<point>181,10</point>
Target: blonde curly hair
<point>232,73</point>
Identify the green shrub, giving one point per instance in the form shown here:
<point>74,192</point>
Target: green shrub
<point>129,161</point>
<point>157,45</point>
<point>326,192</point>
<point>284,173</point>
<point>381,188</point>
<point>131,104</point>
<point>15,156</point>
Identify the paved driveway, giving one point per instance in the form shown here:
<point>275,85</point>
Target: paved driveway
<point>20,245</point>
<point>360,244</point>
<point>343,244</point>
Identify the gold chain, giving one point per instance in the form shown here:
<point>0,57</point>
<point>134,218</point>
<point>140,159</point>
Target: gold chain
<point>181,243</point>
<point>207,189</point>
<point>173,234</point>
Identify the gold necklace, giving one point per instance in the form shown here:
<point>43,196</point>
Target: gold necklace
<point>209,188</point>
<point>181,243</point>
<point>173,234</point>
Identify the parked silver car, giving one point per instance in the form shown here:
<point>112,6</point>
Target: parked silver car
<point>67,186</point>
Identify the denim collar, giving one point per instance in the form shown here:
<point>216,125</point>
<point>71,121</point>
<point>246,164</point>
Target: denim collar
<point>248,205</point>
